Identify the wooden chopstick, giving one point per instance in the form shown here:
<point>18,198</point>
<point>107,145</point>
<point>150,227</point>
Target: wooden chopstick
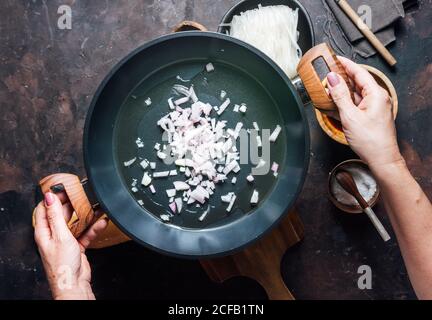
<point>378,45</point>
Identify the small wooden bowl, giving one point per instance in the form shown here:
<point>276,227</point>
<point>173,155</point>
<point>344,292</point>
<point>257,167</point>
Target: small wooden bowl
<point>347,208</point>
<point>333,127</point>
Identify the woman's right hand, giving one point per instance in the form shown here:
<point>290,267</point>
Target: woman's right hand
<point>367,121</point>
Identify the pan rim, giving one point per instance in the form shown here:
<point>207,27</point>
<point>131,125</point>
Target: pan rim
<point>306,157</point>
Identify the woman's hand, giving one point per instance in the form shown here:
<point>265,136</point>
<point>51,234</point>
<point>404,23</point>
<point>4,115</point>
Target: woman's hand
<point>367,121</point>
<point>63,256</point>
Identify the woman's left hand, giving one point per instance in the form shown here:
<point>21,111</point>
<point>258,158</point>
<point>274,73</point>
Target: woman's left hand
<point>66,265</point>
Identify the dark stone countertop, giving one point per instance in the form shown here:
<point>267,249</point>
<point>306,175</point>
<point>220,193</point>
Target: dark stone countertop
<point>47,79</point>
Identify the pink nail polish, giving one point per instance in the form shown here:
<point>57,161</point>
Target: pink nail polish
<point>49,199</point>
<point>333,79</point>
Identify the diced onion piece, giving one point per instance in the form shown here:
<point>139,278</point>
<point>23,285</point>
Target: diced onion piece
<point>162,174</point>
<point>171,104</point>
<point>230,167</point>
<point>181,186</point>
<point>134,189</point>
<point>179,204</point>
<point>130,162</point>
<point>210,67</point>
<point>250,178</point>
<point>152,189</point>
<point>223,107</point>
<point>243,108</point>
<point>200,194</point>
<point>204,215</point>
<point>256,126</point>
<point>148,102</point>
<point>173,207</point>
<point>231,204</point>
<point>153,165</point>
<point>236,108</point>
<point>171,192</point>
<point>181,101</point>
<point>275,134</point>
<point>140,202</point>
<point>223,94</point>
<point>234,180</point>
<point>275,167</point>
<point>173,173</point>
<point>139,143</point>
<point>157,146</point>
<point>146,180</point>
<point>255,198</point>
<point>162,155</point>
<point>165,217</point>
<point>185,163</point>
<point>144,164</point>
<point>227,198</point>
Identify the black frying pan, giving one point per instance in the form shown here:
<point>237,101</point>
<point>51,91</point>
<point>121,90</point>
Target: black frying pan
<point>118,115</point>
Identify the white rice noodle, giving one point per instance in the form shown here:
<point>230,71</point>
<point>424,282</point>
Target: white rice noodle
<point>273,30</point>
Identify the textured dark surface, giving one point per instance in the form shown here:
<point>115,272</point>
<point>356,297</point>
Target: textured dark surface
<point>47,78</point>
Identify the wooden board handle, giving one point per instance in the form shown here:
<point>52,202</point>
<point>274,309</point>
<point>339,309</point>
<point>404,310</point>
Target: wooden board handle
<point>313,82</point>
<point>262,260</point>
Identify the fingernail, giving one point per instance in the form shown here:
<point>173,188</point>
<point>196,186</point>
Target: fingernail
<point>49,199</point>
<point>333,79</point>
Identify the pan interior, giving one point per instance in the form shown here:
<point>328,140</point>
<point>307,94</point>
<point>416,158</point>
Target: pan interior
<point>135,120</point>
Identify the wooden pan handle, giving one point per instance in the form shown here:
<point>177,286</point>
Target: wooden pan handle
<point>189,26</point>
<point>84,215</point>
<point>312,81</point>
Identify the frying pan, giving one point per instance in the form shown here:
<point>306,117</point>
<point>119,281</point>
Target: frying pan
<point>118,115</point>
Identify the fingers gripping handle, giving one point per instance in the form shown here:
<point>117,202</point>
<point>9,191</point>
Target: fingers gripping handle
<point>324,57</point>
<point>84,214</point>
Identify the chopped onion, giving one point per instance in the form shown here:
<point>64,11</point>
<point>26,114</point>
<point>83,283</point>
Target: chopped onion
<point>171,192</point>
<point>173,207</point>
<point>275,167</point>
<point>139,143</point>
<point>250,178</point>
<point>152,189</point>
<point>144,164</point>
<point>223,107</point>
<point>243,108</point>
<point>146,180</point>
<point>148,102</point>
<point>140,202</point>
<point>162,174</point>
<point>181,186</point>
<point>255,198</point>
<point>275,134</point>
<point>130,162</point>
<point>231,204</point>
<point>165,217</point>
<point>210,67</point>
<point>255,125</point>
<point>179,204</point>
<point>171,104</point>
